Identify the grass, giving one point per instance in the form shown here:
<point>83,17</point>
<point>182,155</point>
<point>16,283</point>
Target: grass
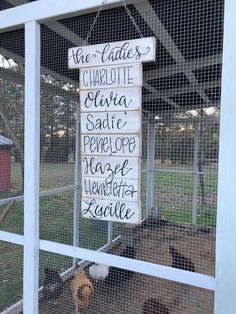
<point>172,193</point>
<point>11,261</point>
<point>183,215</point>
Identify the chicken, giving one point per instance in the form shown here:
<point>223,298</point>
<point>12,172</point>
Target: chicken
<point>180,261</point>
<point>119,275</point>
<point>153,306</point>
<point>82,289</point>
<point>99,271</point>
<point>151,222</point>
<point>129,252</point>
<point>53,285</point>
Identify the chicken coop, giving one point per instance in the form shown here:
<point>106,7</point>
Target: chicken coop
<point>122,192</point>
<point>5,161</point>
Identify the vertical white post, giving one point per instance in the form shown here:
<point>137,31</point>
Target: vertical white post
<point>150,165</point>
<point>225,295</point>
<point>195,174</point>
<point>76,182</point>
<point>31,164</point>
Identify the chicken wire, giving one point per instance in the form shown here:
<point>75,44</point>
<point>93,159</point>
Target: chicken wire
<point>11,275</point>
<point>11,163</point>
<point>181,108</point>
<point>139,294</point>
<point>181,101</point>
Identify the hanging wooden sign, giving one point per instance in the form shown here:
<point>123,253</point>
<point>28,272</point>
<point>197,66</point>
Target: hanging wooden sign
<point>121,52</point>
<point>110,103</point>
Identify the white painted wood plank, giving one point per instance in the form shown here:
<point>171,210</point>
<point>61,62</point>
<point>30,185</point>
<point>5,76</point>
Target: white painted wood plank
<point>31,166</point>
<point>41,11</point>
<point>77,194</point>
<point>11,237</point>
<point>110,210</point>
<point>118,189</point>
<point>225,300</point>
<point>111,76</point>
<point>127,51</point>
<point>111,167</point>
<point>116,99</point>
<point>122,122</point>
<point>111,145</point>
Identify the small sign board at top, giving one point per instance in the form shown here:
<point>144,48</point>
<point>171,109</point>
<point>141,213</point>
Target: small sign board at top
<point>128,51</point>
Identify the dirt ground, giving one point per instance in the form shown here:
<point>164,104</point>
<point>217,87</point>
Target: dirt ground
<point>153,246</point>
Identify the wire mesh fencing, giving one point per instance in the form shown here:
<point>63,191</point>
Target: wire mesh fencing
<point>119,292</point>
<point>11,163</point>
<point>11,277</point>
<point>179,160</point>
<point>181,115</point>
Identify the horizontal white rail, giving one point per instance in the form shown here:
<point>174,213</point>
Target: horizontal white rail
<point>11,237</point>
<point>41,11</point>
<point>165,272</point>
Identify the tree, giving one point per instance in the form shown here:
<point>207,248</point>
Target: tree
<point>57,112</point>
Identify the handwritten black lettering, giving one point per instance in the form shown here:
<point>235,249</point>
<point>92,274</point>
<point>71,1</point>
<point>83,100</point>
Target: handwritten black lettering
<point>115,209</point>
<point>84,75</point>
<point>123,52</point>
<point>107,123</point>
<point>97,100</point>
<point>124,145</point>
<point>108,76</point>
<point>115,188</point>
<point>80,58</point>
<point>92,167</point>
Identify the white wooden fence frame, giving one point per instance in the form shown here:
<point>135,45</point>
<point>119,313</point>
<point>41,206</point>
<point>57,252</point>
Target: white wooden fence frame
<point>224,284</point>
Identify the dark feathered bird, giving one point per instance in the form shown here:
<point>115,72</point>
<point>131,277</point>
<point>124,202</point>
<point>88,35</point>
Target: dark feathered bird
<point>53,284</point>
<point>119,275</point>
<point>128,252</point>
<point>180,261</point>
<point>153,306</point>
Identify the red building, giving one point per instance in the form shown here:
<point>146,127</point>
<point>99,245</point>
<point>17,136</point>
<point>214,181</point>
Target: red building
<point>5,164</point>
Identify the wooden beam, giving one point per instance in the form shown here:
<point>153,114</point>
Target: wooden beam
<point>182,67</point>
<point>44,11</point>
<point>151,18</point>
<point>182,90</point>
<point>158,95</point>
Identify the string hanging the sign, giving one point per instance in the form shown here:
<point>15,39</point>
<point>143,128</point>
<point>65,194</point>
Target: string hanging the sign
<point>98,14</point>
<point>94,21</point>
<point>132,18</point>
